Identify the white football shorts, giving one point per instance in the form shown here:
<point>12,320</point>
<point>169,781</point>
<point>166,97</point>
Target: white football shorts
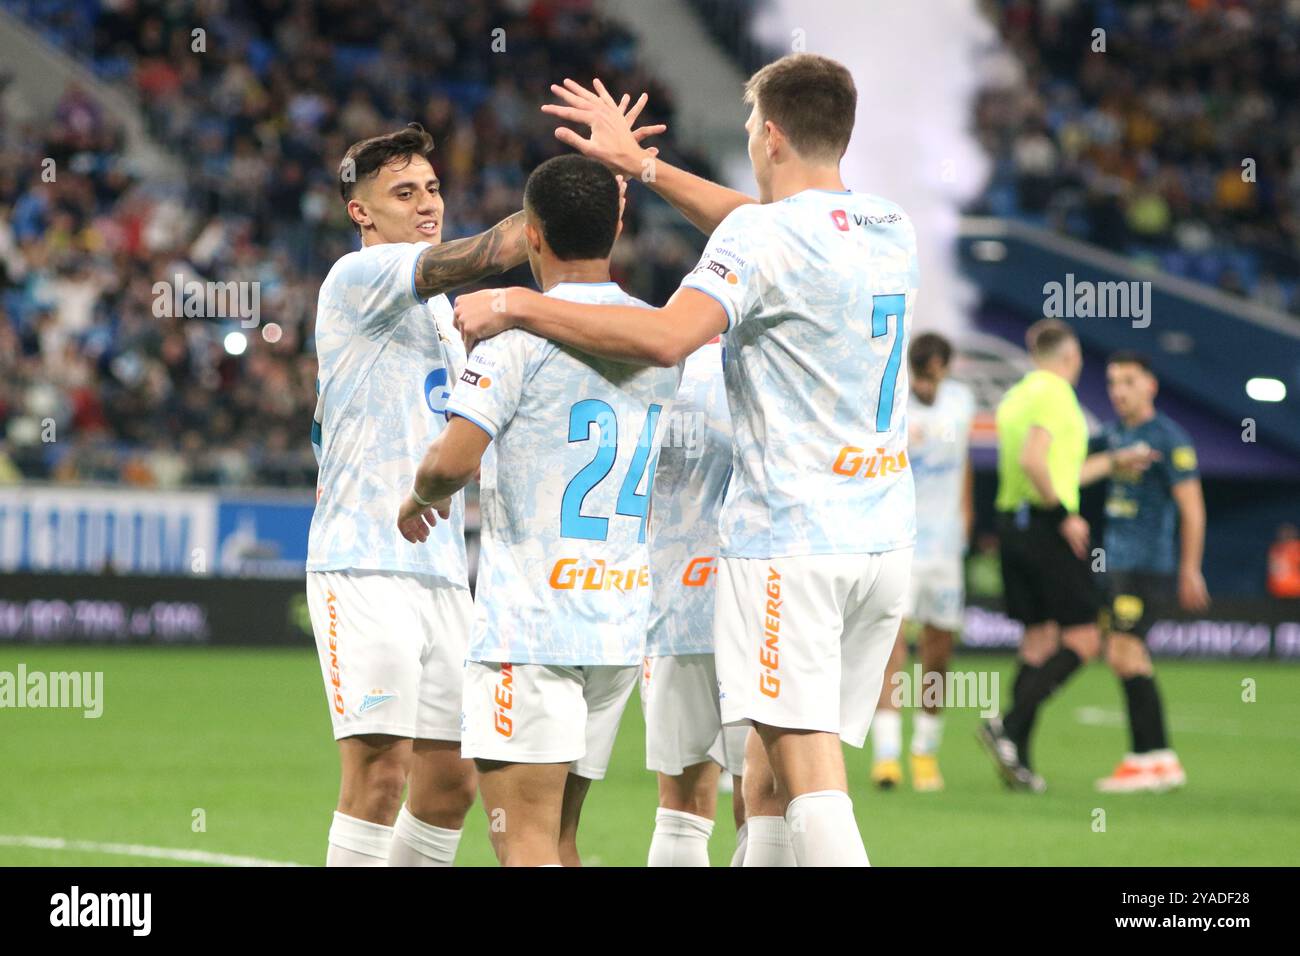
<point>683,720</point>
<point>543,713</point>
<point>937,593</point>
<point>802,641</point>
<point>392,651</point>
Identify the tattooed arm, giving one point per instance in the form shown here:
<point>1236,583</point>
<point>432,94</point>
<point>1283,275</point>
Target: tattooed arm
<point>450,265</point>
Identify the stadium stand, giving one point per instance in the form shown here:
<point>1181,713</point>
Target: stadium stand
<point>259,117</point>
<point>1188,160</point>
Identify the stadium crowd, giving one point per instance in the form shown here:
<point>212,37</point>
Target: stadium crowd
<point>1190,158</point>
<point>257,109</point>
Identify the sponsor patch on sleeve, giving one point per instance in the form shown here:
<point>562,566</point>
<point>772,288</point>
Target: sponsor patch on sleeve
<point>1184,458</point>
<point>723,272</point>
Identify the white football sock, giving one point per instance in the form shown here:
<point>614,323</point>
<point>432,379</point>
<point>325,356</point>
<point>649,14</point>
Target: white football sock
<point>824,831</point>
<point>886,735</point>
<point>681,839</point>
<point>416,843</point>
<point>742,836</point>
<point>767,842</point>
<point>355,842</point>
<point>927,733</point>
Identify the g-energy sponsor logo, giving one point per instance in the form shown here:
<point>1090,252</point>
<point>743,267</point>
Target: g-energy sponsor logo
<point>335,680</point>
<point>74,908</point>
<point>769,658</point>
<point>503,700</point>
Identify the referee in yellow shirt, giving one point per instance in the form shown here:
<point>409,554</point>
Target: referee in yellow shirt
<point>1042,444</point>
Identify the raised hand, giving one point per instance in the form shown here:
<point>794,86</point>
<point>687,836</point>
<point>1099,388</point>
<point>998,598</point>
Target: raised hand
<point>613,141</point>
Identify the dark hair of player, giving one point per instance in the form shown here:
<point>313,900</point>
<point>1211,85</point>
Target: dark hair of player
<point>364,159</point>
<point>927,347</point>
<point>1130,357</point>
<point>1046,336</point>
<point>812,99</point>
<point>575,201</point>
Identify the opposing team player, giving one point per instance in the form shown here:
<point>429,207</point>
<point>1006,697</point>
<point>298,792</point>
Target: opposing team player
<point>563,596</point>
<point>939,419</point>
<point>686,743</point>
<point>815,287</point>
<point>1154,539</point>
<point>391,620</point>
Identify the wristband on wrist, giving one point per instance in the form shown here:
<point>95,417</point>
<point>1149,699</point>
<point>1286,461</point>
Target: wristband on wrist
<point>418,500</point>
<point>1059,513</point>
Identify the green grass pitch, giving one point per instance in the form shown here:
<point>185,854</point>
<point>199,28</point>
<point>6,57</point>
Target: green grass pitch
<point>243,736</point>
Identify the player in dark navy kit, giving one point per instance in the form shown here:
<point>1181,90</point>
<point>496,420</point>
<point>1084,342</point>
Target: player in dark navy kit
<point>1155,536</point>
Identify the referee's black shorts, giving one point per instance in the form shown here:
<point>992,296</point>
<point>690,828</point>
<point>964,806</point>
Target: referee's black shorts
<point>1136,600</point>
<point>1042,579</point>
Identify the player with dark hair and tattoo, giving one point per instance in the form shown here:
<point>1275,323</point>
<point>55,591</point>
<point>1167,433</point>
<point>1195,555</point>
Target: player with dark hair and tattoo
<point>392,619</point>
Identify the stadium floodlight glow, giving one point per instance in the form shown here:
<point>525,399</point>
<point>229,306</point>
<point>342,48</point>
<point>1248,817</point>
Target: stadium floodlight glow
<point>236,343</point>
<point>989,250</point>
<point>272,332</point>
<point>1266,389</point>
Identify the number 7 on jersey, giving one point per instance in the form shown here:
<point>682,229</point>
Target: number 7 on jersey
<point>884,307</point>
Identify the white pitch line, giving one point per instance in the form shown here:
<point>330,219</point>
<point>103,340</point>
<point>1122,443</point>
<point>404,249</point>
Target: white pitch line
<point>1102,717</point>
<point>135,849</point>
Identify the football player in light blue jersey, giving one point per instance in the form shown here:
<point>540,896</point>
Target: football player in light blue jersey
<point>814,288</point>
<point>685,741</point>
<point>392,620</point>
<point>939,422</point>
<point>563,597</point>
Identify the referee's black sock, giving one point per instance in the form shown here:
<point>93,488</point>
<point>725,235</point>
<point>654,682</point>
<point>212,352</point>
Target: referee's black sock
<point>1032,691</point>
<point>1024,676</point>
<point>1146,716</point>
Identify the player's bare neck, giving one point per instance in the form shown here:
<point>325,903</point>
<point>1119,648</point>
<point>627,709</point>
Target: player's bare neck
<point>1056,368</point>
<point>372,237</point>
<point>793,178</point>
<point>575,270</point>
<point>1140,417</point>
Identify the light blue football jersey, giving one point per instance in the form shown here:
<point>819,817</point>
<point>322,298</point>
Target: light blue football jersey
<point>938,445</point>
<point>564,574</point>
<point>387,364</point>
<point>694,466</point>
<point>819,291</point>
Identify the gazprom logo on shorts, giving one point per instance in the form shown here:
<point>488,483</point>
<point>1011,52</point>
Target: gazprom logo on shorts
<point>437,391</point>
<point>770,656</point>
<point>855,462</point>
<point>504,699</point>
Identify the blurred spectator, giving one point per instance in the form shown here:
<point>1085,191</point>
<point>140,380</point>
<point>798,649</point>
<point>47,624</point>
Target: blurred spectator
<point>1284,563</point>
